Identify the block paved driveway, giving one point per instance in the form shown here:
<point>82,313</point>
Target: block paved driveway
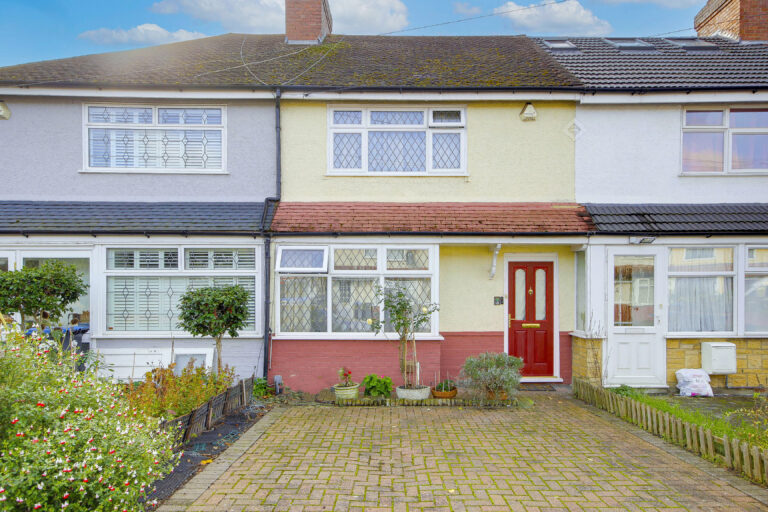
<point>557,455</point>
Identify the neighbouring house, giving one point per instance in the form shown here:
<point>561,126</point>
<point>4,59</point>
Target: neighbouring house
<point>593,205</point>
<point>672,165</point>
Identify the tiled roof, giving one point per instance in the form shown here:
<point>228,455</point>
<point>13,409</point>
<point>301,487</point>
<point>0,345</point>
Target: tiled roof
<point>431,218</point>
<point>601,65</point>
<point>106,217</point>
<point>341,61</point>
<point>680,218</point>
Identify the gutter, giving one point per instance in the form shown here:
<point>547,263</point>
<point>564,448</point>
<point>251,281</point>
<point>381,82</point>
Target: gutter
<point>268,236</point>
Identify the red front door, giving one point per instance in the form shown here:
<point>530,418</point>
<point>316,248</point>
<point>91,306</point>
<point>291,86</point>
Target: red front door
<point>531,329</point>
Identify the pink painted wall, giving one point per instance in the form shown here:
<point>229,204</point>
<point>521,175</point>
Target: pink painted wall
<point>311,365</point>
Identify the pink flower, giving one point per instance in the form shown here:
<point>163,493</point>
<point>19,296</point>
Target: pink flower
<point>66,495</point>
<point>14,421</point>
<point>37,506</point>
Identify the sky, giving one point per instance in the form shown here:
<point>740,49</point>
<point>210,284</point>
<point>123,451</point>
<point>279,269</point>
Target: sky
<point>33,30</point>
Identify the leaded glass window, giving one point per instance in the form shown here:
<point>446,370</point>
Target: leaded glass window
<point>342,297</point>
<point>125,137</point>
<point>397,141</point>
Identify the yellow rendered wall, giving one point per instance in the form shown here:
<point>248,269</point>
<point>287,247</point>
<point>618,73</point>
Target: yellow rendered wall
<point>507,159</point>
<point>466,292</point>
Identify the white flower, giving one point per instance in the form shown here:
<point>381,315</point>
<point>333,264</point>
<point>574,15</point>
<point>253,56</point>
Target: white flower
<point>423,309</point>
<point>369,321</point>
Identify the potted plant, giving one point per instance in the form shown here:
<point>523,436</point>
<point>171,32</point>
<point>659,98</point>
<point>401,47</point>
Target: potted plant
<point>345,389</point>
<point>445,389</point>
<point>376,386</point>
<point>495,375</point>
<point>405,317</point>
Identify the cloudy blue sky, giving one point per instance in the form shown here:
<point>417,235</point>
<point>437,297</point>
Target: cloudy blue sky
<point>49,29</point>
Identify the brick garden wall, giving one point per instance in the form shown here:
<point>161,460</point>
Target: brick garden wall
<point>751,361</point>
<point>460,345</point>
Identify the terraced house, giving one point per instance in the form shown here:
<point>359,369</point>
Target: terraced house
<point>595,206</point>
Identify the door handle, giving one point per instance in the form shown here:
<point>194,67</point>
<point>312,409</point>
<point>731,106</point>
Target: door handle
<point>531,326</point>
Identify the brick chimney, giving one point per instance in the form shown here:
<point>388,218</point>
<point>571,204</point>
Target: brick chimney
<point>307,21</point>
<point>745,20</point>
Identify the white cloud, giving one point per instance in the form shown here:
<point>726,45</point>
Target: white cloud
<point>253,16</point>
<point>148,33</point>
<point>566,18</point>
<point>466,9</point>
<point>672,4</point>
<point>368,16</point>
<point>268,16</point>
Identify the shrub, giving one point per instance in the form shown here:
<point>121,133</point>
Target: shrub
<point>377,386</point>
<point>70,439</point>
<point>163,394</point>
<point>261,388</point>
<point>491,373</point>
<point>345,378</point>
<point>40,294</point>
<point>214,312</point>
<point>446,385</point>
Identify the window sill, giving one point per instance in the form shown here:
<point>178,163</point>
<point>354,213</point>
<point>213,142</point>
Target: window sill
<point>586,336</point>
<point>348,337</point>
<point>721,174</point>
<point>397,174</point>
<point>165,335</point>
<point>695,335</point>
<point>155,171</point>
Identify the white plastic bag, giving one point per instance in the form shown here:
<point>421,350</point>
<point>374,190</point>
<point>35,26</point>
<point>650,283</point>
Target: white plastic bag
<point>693,382</point>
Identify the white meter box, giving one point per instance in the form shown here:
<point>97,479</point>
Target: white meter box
<point>718,358</point>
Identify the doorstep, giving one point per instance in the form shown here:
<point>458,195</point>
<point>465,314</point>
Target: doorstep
<point>534,380</point>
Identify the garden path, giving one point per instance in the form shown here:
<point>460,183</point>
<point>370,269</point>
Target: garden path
<point>556,455</point>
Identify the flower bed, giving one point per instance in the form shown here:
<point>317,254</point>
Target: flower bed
<point>710,439</point>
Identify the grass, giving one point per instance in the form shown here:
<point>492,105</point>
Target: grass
<point>750,427</point>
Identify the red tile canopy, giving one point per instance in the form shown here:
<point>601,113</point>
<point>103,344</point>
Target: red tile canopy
<point>431,218</point>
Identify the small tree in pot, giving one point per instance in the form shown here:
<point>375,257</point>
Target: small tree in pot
<point>214,312</point>
<point>404,316</point>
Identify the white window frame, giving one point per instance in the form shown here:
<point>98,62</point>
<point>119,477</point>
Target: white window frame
<point>86,168</point>
<point>736,274</point>
<point>727,132</point>
<point>381,274</point>
<point>182,271</point>
<point>302,270</point>
<point>427,126</point>
<point>757,271</point>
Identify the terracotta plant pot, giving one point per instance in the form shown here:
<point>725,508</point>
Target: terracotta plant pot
<point>498,395</point>
<point>417,393</point>
<point>444,394</point>
<point>346,392</point>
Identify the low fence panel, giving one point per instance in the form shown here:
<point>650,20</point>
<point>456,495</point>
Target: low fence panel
<point>746,459</point>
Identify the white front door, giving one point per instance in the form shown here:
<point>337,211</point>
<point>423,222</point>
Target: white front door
<point>635,349</point>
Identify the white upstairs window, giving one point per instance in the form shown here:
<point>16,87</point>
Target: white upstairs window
<point>397,141</point>
<point>725,140</point>
<point>154,139</point>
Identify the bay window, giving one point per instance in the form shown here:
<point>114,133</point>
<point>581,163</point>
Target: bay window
<point>340,297</point>
<point>144,285</point>
<point>725,140</point>
<point>390,140</point>
<point>701,289</point>
<point>154,138</point>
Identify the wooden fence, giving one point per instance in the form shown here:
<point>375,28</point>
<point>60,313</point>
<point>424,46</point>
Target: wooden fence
<point>748,460</point>
<point>211,412</point>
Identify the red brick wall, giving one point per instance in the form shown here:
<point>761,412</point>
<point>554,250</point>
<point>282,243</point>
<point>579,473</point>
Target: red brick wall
<point>566,357</point>
<point>754,20</point>
<point>311,365</point>
<point>307,20</point>
<point>460,345</point>
<point>724,20</point>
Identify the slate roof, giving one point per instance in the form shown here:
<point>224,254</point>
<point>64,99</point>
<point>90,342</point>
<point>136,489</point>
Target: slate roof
<point>341,61</point>
<point>130,218</point>
<point>680,218</point>
<point>431,218</point>
<point>599,65</point>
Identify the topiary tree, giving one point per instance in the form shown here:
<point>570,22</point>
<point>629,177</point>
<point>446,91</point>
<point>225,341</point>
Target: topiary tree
<point>41,293</point>
<point>214,312</point>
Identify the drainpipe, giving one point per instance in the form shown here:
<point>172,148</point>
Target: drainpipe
<point>268,237</point>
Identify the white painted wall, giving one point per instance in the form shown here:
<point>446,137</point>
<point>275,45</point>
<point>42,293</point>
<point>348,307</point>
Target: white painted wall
<point>42,154</point>
<point>632,154</point>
